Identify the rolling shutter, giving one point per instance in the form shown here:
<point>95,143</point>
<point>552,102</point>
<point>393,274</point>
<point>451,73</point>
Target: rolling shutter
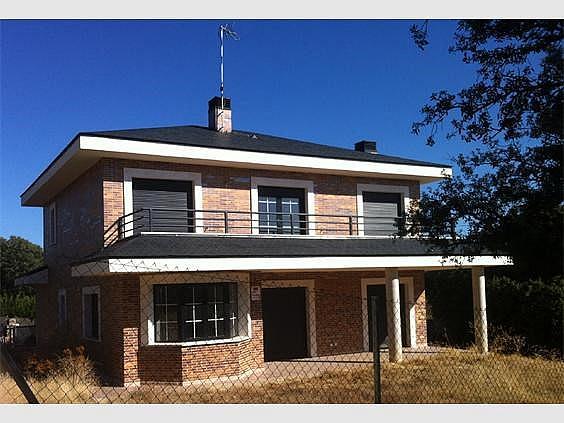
<point>381,212</point>
<point>169,201</point>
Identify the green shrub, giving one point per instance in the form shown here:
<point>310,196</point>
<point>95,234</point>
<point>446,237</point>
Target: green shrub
<point>530,309</point>
<point>17,303</point>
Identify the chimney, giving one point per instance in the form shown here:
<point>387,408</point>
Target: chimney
<point>219,119</point>
<point>366,146</point>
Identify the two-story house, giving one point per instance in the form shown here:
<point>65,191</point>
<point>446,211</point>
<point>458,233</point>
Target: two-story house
<point>182,253</point>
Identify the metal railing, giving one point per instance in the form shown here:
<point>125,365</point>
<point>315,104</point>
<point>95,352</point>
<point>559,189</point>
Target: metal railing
<point>248,222</point>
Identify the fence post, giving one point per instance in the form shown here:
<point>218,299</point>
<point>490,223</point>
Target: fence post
<point>10,365</point>
<point>376,353</point>
<point>350,225</point>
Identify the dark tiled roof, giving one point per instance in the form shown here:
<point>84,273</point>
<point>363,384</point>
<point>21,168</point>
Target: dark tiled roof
<point>213,246</point>
<point>249,141</point>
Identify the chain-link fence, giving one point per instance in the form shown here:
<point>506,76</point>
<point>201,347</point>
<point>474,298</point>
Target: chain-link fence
<point>163,336</point>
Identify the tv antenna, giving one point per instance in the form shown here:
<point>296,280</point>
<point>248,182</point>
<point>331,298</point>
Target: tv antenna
<point>225,31</point>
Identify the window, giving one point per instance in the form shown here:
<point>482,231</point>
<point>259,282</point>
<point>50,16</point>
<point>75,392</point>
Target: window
<point>382,212</point>
<point>194,312</point>
<point>62,308</point>
<point>162,205</point>
<point>281,211</point>
<point>91,313</point>
<point>52,224</point>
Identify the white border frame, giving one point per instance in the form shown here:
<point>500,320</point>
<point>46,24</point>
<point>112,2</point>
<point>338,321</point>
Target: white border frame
<point>360,188</point>
<point>309,284</point>
<point>90,148</point>
<point>130,173</point>
<point>147,308</point>
<point>305,184</point>
<point>86,291</point>
<point>409,308</point>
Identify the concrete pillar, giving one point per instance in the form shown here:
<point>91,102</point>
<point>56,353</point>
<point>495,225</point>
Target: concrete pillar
<point>480,316</point>
<point>394,315</point>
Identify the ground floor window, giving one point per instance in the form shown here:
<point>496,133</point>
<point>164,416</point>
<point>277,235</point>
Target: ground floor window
<point>62,308</point>
<point>91,312</point>
<point>194,312</point>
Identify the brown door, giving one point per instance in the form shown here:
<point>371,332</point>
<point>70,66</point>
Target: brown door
<point>284,323</point>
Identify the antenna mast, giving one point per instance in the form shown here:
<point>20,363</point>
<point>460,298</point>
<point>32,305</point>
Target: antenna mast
<point>225,31</point>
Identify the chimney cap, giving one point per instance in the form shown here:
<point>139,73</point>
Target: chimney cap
<point>215,102</point>
<point>366,146</point>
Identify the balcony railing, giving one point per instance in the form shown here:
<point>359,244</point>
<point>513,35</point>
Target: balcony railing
<point>171,220</point>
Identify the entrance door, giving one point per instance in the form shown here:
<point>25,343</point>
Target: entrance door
<point>379,291</point>
<point>284,323</point>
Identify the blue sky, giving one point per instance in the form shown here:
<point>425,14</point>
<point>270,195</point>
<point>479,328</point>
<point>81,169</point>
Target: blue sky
<point>333,82</point>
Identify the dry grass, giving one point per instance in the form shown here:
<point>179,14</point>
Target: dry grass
<point>450,377</point>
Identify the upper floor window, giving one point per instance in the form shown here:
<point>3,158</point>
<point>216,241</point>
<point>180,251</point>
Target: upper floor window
<point>281,210</point>
<point>162,205</point>
<point>52,224</point>
<point>382,212</point>
<point>194,312</point>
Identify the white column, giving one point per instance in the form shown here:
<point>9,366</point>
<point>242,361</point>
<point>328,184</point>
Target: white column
<point>480,316</point>
<point>394,315</point>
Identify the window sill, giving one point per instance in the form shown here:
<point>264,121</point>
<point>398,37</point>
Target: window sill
<point>200,343</point>
<point>92,339</point>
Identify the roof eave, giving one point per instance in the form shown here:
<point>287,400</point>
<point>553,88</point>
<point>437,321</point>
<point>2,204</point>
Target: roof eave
<point>84,150</point>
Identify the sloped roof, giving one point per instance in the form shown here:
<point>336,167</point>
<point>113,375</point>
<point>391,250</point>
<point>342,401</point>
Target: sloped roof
<point>213,246</point>
<point>251,141</point>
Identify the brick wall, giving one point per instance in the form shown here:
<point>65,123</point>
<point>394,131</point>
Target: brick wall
<point>339,310</point>
<point>226,188</point>
<point>79,216</point>
<point>420,308</point>
<point>94,201</point>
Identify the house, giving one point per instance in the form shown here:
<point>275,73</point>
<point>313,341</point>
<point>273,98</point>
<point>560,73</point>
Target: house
<point>182,253</point>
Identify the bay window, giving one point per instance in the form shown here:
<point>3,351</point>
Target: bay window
<point>195,312</point>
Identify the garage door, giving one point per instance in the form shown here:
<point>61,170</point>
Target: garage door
<point>284,323</point>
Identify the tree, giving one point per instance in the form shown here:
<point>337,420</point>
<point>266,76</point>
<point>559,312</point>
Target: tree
<point>17,256</point>
<point>508,196</point>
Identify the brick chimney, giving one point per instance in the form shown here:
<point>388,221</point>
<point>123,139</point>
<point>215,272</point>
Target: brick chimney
<point>219,119</point>
<point>366,146</point>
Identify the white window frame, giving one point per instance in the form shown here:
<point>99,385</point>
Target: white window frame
<point>88,290</point>
<point>309,284</point>
<point>52,222</point>
<point>411,323</point>
<point>360,188</point>
<point>304,184</point>
<point>147,309</point>
<point>62,320</point>
<point>193,177</point>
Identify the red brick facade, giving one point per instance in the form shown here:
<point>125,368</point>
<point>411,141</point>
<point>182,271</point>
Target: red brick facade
<point>94,201</point>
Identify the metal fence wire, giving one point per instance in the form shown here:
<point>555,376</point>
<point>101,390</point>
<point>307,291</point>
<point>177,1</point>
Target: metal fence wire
<point>232,337</point>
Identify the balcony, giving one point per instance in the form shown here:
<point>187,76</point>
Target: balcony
<point>185,221</point>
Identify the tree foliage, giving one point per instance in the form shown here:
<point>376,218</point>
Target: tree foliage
<point>507,197</point>
<point>17,303</point>
<point>17,256</point>
<point>532,309</point>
